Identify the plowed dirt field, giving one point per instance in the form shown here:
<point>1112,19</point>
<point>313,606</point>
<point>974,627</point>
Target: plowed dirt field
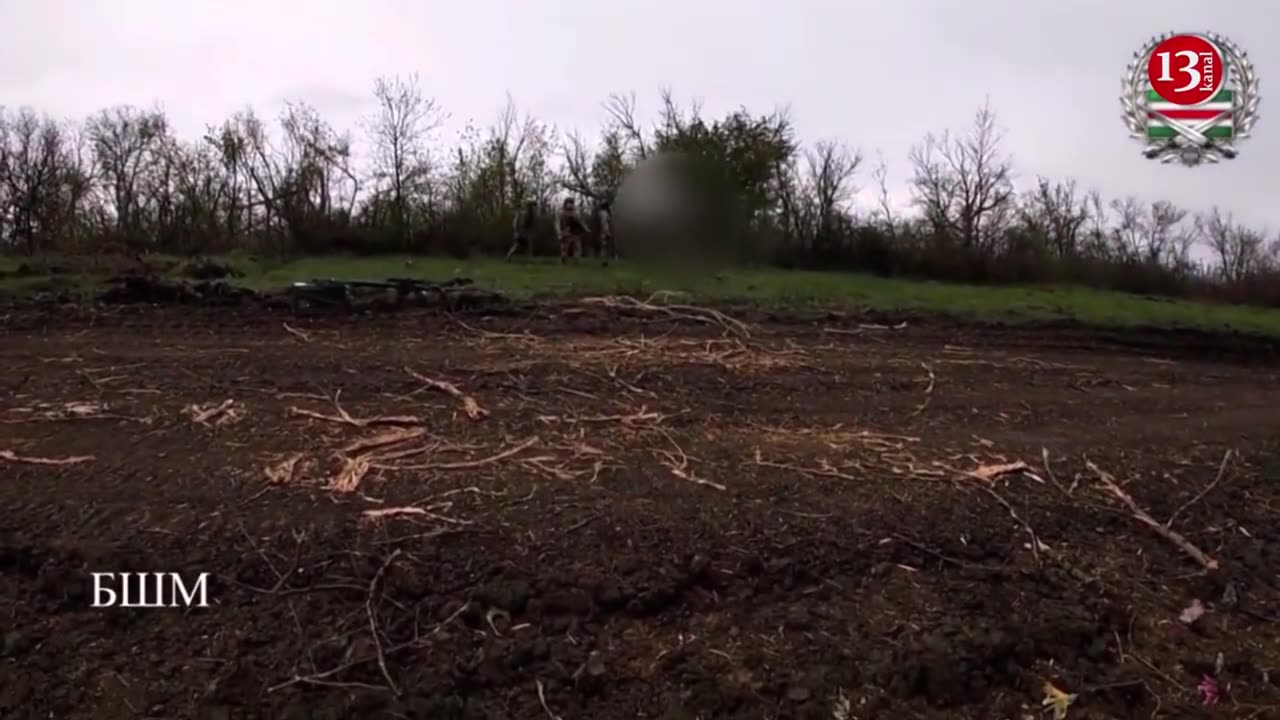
<point>567,513</point>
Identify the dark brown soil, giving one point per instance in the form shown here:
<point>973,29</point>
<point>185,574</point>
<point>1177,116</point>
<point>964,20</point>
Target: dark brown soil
<point>654,520</point>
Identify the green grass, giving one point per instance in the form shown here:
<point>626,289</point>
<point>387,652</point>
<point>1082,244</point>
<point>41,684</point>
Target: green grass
<point>779,288</point>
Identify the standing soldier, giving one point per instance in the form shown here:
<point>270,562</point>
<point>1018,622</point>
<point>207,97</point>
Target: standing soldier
<point>522,229</point>
<point>604,225</point>
<point>569,230</point>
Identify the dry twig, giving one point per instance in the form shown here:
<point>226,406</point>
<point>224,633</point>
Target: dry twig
<point>928,391</point>
<point>282,471</point>
<point>674,311</point>
<point>542,698</point>
<point>381,513</point>
<point>989,473</point>
<point>224,413</point>
<point>678,464</point>
<point>385,439</point>
<point>824,469</point>
<point>304,337</point>
<point>373,623</point>
<point>11,456</point>
<point>464,464</point>
<point>1222,470</point>
<point>349,477</point>
<point>345,418</point>
<point>469,404</point>
<point>1109,482</point>
<point>643,416</point>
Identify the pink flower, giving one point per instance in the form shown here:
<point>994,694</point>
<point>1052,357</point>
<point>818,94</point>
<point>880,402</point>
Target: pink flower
<point>1208,689</point>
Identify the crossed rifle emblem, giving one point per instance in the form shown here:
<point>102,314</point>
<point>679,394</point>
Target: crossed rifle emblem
<point>1194,132</point>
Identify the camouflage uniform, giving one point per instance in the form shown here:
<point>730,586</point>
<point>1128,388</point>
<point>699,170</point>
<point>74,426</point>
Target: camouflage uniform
<point>569,230</point>
<point>604,226</point>
<point>522,229</point>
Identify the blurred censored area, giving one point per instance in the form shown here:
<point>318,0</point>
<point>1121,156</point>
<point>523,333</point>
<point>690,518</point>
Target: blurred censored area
<point>681,208</point>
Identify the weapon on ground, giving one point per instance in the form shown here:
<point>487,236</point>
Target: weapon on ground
<point>332,292</point>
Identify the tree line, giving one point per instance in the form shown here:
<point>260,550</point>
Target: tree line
<point>122,181</point>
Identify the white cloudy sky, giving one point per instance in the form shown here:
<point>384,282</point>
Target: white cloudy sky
<point>878,75</point>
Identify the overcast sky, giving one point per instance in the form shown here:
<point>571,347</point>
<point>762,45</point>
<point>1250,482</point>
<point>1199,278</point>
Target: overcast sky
<point>878,75</point>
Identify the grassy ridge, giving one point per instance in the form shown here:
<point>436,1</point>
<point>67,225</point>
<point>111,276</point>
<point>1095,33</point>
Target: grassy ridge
<point>764,286</point>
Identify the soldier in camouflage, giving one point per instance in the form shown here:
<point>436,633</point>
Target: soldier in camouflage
<point>569,230</point>
<point>522,229</point>
<point>604,228</point>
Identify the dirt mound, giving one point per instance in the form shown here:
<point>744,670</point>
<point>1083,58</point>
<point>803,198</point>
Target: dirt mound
<point>208,269</point>
<point>39,269</point>
<point>151,289</point>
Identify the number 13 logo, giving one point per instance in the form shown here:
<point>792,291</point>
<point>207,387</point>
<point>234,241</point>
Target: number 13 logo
<point>1188,57</point>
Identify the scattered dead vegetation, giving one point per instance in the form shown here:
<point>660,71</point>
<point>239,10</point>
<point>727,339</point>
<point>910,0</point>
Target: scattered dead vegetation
<point>618,497</point>
<point>674,311</point>
<point>1110,484</point>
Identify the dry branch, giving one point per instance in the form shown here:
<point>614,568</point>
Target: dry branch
<point>373,623</point>
<point>1036,545</point>
<point>386,439</point>
<point>674,311</point>
<point>469,404</point>
<point>224,413</point>
<point>1109,482</point>
<point>988,473</point>
<point>864,326</point>
<point>678,464</point>
<point>464,464</point>
<point>282,471</point>
<point>11,456</point>
<point>414,510</point>
<point>345,418</point>
<point>304,337</point>
<point>928,391</point>
<point>381,513</point>
<point>75,410</point>
<point>349,477</point>
<point>824,469</point>
<point>542,698</point>
<point>1222,470</point>
<point>321,678</point>
<point>643,416</point>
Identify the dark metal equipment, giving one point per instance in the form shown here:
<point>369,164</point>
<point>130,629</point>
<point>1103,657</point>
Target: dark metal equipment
<point>350,294</point>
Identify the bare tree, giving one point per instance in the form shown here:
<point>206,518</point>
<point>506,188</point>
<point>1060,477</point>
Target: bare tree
<point>277,176</point>
<point>123,139</point>
<point>518,155</point>
<point>1130,229</point>
<point>880,174</point>
<point>622,114</point>
<point>1239,251</point>
<point>1152,234</point>
<point>322,158</point>
<point>1056,213</point>
<point>932,187</point>
<point>1097,233</point>
<point>578,160</point>
<point>830,169</point>
<point>401,157</point>
<point>597,173</point>
<point>1162,242</point>
<point>39,183</point>
<point>964,184</point>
